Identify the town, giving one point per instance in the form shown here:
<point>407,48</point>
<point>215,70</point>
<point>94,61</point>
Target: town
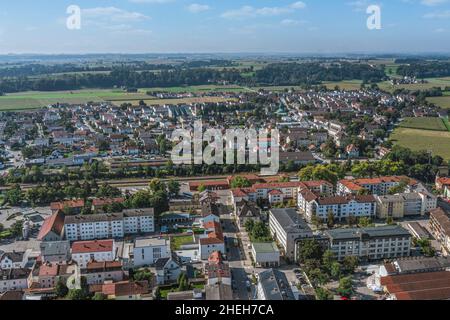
<point>95,208</point>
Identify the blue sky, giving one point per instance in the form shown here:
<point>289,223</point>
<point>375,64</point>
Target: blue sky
<point>197,26</point>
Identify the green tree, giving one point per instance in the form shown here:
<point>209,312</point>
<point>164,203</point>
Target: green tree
<point>61,289</point>
<point>156,185</point>
<point>323,294</point>
<point>350,263</point>
<point>310,249</point>
<point>330,219</point>
<point>201,188</point>
<point>345,288</point>
<point>173,187</point>
<point>364,222</point>
<point>240,182</point>
<point>99,296</point>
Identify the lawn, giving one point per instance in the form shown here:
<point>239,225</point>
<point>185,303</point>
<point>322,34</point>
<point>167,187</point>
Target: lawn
<point>177,241</point>
<point>436,141</point>
<point>435,124</point>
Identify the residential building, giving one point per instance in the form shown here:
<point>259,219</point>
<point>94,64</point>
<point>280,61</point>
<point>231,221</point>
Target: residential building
<point>443,185</point>
<point>216,270</point>
<point>52,228</point>
<point>440,228</point>
<point>286,226</point>
<point>100,272</point>
<point>375,243</point>
<point>218,292</point>
<point>266,255</point>
<point>212,241</point>
<point>148,250</point>
<point>399,205</point>
<point>84,252</point>
<point>168,269</point>
<point>273,285</point>
<point>13,279</point>
<point>13,260</point>
<point>123,290</point>
<point>376,186</point>
<point>341,207</point>
<point>74,206</point>
<point>104,226</point>
<point>55,251</point>
<point>246,211</point>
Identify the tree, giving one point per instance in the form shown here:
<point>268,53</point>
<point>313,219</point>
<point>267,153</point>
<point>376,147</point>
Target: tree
<point>2,227</point>
<point>350,263</point>
<point>240,182</point>
<point>310,249</point>
<point>345,288</point>
<point>61,289</point>
<point>156,185</point>
<point>323,294</point>
<point>14,196</point>
<point>328,259</point>
<point>77,294</point>
<point>201,188</point>
<point>330,219</point>
<point>16,228</point>
<point>157,294</point>
<point>364,222</point>
<point>99,296</point>
<point>390,221</point>
<point>173,187</point>
<point>352,220</point>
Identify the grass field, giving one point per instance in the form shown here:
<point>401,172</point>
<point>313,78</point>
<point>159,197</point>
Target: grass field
<point>432,82</point>
<point>435,124</point>
<point>176,101</point>
<point>443,102</point>
<point>177,242</point>
<point>436,141</point>
<point>344,85</point>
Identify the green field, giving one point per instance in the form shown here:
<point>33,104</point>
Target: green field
<point>443,102</point>
<point>344,85</point>
<point>436,141</point>
<point>178,241</point>
<point>435,124</point>
<point>432,82</point>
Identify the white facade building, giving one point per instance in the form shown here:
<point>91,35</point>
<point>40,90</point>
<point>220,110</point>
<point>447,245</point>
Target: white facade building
<point>148,250</point>
<point>84,252</point>
<point>104,226</point>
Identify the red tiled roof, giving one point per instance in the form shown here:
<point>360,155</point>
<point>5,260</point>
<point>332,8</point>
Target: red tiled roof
<point>53,223</point>
<point>443,181</point>
<point>419,286</point>
<point>275,192</point>
<point>67,204</point>
<point>125,288</point>
<point>92,246</point>
<point>277,185</point>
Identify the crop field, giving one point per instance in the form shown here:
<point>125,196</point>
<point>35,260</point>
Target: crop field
<point>344,85</point>
<point>443,102</point>
<point>415,139</point>
<point>435,124</point>
<point>178,101</point>
<point>196,89</point>
<point>432,82</point>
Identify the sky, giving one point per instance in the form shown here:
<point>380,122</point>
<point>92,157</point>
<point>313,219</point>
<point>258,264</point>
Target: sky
<point>225,26</point>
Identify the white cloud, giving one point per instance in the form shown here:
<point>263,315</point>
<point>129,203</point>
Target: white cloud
<point>196,8</point>
<point>438,15</point>
<point>432,3</point>
<point>112,14</point>
<point>151,1</point>
<point>251,12</point>
<point>291,22</point>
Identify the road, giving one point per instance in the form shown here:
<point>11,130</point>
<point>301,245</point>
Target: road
<point>240,272</point>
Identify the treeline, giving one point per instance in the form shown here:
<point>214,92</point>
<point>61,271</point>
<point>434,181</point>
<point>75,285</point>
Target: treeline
<point>315,73</point>
<point>425,69</point>
<point>120,77</point>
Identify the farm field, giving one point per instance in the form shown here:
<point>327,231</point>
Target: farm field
<point>178,101</point>
<point>432,82</point>
<point>435,124</point>
<point>415,139</point>
<point>196,89</point>
<point>345,85</point>
<point>443,102</point>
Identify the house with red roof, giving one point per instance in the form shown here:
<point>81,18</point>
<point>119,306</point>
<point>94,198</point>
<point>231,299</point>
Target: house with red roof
<point>212,240</point>
<point>443,184</point>
<point>84,252</point>
<point>123,290</point>
<point>75,206</point>
<point>52,228</point>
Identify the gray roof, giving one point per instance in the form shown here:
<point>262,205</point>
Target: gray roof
<point>12,274</point>
<point>55,248</point>
<point>265,247</point>
<point>108,216</point>
<point>219,292</point>
<point>275,285</point>
<point>290,220</point>
<point>375,232</point>
<point>422,264</point>
<point>14,256</point>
